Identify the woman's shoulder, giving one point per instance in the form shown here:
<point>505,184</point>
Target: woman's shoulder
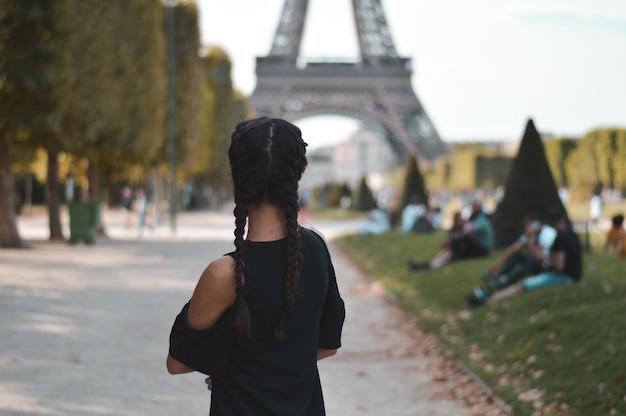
<point>218,276</point>
<point>221,264</point>
<point>214,293</point>
<point>312,234</point>
<point>314,238</point>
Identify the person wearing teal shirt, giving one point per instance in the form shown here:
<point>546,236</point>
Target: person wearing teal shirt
<point>475,239</point>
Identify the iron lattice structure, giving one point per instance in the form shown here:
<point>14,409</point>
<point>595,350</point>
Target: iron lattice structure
<point>376,89</point>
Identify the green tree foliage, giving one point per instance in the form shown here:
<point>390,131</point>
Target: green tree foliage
<point>118,88</point>
<point>330,195</point>
<point>557,152</point>
<point>529,187</point>
<point>491,171</point>
<point>34,66</point>
<point>219,115</point>
<point>189,94</point>
<point>413,185</point>
<point>364,199</point>
<point>467,166</point>
<point>599,158</point>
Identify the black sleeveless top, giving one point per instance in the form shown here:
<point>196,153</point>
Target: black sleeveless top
<point>271,377</point>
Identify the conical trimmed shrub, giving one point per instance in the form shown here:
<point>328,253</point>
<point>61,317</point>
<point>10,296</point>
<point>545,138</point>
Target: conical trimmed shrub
<point>413,184</point>
<point>530,187</point>
<point>364,200</point>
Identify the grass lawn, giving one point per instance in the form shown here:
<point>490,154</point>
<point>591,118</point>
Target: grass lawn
<point>559,350</point>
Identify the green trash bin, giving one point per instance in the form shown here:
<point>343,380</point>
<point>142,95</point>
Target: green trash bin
<point>83,221</point>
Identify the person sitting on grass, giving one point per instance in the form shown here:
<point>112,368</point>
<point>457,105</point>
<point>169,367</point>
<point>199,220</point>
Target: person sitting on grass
<point>414,211</point>
<point>523,257</point>
<point>562,266</point>
<point>616,237</point>
<point>475,239</point>
<point>376,222</point>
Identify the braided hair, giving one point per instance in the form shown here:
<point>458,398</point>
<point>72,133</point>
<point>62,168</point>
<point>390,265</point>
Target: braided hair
<point>267,160</point>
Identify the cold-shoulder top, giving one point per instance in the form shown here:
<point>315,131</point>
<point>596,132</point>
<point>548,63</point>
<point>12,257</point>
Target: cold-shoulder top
<point>271,377</point>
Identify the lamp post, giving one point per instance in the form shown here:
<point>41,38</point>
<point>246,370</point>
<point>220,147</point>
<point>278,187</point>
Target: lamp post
<point>171,106</point>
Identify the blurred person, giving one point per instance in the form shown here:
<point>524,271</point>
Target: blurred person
<point>279,284</point>
<point>413,212</point>
<point>475,239</point>
<point>141,206</point>
<point>376,222</point>
<point>524,256</point>
<point>595,210</point>
<point>127,203</point>
<point>433,217</point>
<point>616,237</point>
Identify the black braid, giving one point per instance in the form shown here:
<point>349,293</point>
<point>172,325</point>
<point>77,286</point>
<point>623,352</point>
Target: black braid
<point>293,259</point>
<point>267,158</point>
<point>242,315</point>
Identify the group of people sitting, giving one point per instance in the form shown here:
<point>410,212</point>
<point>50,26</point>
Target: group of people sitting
<point>547,253</point>
<point>473,237</point>
<point>415,217</point>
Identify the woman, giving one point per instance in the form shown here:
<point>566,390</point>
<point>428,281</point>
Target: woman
<point>279,282</point>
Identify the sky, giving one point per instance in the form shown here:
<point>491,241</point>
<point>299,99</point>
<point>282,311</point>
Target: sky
<point>481,68</point>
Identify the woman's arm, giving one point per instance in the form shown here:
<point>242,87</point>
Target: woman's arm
<point>214,293</point>
<point>176,367</point>
<point>324,353</point>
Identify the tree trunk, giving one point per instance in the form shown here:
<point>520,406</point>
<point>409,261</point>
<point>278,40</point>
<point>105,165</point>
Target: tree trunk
<point>54,203</point>
<point>9,235</point>
<point>93,177</point>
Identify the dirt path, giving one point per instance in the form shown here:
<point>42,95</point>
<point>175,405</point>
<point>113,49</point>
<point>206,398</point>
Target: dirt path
<point>84,332</point>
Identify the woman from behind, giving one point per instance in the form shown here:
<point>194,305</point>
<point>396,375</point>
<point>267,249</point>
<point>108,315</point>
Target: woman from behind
<point>279,283</point>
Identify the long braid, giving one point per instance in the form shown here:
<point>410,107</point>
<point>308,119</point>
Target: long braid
<point>240,173</point>
<point>293,257</point>
<point>267,158</point>
<point>291,173</point>
<point>242,315</point>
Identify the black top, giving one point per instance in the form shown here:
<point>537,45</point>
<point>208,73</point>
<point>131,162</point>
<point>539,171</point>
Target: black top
<point>568,242</point>
<point>271,377</point>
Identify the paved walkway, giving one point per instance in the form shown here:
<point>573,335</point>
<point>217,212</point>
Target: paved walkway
<point>85,330</point>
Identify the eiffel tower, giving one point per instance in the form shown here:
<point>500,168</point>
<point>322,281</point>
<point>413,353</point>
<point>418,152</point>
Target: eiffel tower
<point>375,90</point>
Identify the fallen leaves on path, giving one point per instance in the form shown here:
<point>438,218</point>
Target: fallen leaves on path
<point>449,378</point>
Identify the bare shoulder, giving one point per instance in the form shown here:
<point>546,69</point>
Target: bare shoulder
<point>214,293</point>
<point>218,277</point>
<point>220,269</point>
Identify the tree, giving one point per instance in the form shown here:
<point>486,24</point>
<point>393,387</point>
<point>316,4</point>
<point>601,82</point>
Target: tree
<point>364,199</point>
<point>602,153</point>
<point>188,88</point>
<point>557,153</point>
<point>220,116</point>
<point>118,120</point>
<point>530,187</point>
<point>413,184</point>
<point>34,66</point>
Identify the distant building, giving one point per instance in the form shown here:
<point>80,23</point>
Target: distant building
<point>363,153</point>
<point>319,171</point>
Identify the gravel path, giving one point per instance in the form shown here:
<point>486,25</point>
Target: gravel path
<point>85,330</point>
